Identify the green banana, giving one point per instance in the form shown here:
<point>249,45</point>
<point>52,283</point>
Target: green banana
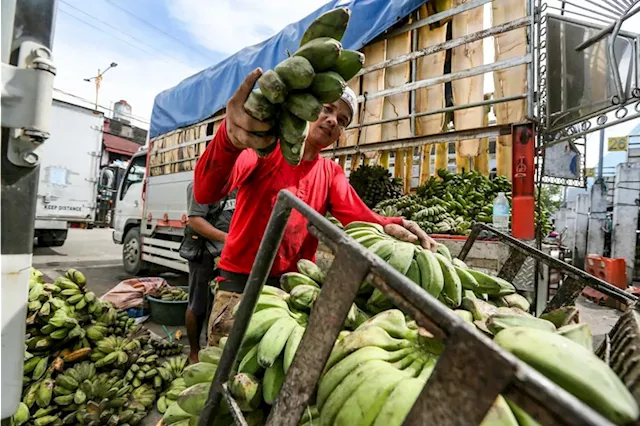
<point>362,374</point>
<point>399,402</point>
<point>330,24</point>
<point>363,225</point>
<point>290,280</point>
<point>370,336</point>
<point>413,273</point>
<point>499,322</point>
<point>31,364</point>
<point>272,382</point>
<point>292,346</point>
<point>334,376</point>
<point>466,279</point>
<point>247,390</point>
<point>393,322</point>
<point>431,277</point>
<point>266,301</point>
<point>249,363</point>
<point>452,290</point>
<point>303,296</point>
<point>401,257</point>
<point>444,251</point>
<point>561,316</point>
<point>493,286</point>
<point>274,291</point>
<point>579,333</point>
<point>274,341</point>
<point>522,417</point>
<point>40,368</point>
<point>574,368</point>
<point>499,414</point>
<point>384,249</point>
<point>311,270</point>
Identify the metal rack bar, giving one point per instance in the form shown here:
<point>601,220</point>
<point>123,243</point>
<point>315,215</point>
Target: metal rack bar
<point>563,299</point>
<point>470,374</point>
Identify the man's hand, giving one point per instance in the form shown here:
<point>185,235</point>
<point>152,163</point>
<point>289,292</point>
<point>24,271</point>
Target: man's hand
<point>410,232</point>
<point>241,127</point>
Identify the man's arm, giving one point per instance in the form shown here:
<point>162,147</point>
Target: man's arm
<point>207,230</point>
<point>222,167</point>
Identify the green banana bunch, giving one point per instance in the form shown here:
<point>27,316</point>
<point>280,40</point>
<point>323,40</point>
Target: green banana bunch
<point>173,294</point>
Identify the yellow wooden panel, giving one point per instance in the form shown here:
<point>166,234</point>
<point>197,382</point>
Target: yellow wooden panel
<point>425,163</point>
<point>396,76</point>
<point>384,159</point>
<point>442,157</point>
<point>355,161</point>
<point>398,165</point>
<point>408,169</point>
<point>467,90</point>
<point>342,160</point>
<point>511,81</point>
<point>350,137</point>
<point>371,83</point>
<point>481,162</point>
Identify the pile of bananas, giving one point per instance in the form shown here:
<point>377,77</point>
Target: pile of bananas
<point>440,275</point>
<point>165,348</point>
<point>450,203</point>
<point>85,361</point>
<point>172,294</point>
<point>375,184</point>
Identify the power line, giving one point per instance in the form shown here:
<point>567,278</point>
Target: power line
<point>117,29</point>
<point>134,117</point>
<point>207,55</point>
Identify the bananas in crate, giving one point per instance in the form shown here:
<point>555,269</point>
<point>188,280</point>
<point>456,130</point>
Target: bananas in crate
<point>165,348</point>
<point>291,95</point>
<point>172,294</point>
<point>375,184</point>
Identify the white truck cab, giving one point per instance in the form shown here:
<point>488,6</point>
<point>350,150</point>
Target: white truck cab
<point>150,217</point>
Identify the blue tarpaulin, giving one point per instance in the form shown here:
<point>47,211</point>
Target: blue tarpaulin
<point>202,95</point>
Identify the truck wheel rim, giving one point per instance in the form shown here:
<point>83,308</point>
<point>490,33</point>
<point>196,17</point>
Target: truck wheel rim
<point>132,251</point>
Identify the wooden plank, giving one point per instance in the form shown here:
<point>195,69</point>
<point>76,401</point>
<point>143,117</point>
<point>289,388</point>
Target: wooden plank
<point>350,137</point>
<point>425,163</point>
<point>511,81</point>
<point>398,164</point>
<point>481,161</point>
<point>442,157</point>
<point>408,169</point>
<point>433,97</point>
<point>371,83</point>
<point>470,89</point>
<point>342,161</point>
<point>355,161</point>
<point>384,159</point>
<point>396,76</point>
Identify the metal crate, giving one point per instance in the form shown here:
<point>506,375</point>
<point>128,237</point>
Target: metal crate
<point>471,372</point>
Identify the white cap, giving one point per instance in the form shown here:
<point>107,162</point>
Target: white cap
<point>350,98</point>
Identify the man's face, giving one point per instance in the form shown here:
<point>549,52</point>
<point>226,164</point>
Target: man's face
<point>332,121</point>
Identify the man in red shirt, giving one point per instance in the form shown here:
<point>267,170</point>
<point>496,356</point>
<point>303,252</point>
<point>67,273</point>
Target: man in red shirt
<point>231,162</point>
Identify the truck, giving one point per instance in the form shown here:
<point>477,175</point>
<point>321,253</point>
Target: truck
<point>68,181</point>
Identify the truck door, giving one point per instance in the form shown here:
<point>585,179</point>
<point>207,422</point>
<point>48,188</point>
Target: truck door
<point>129,202</point>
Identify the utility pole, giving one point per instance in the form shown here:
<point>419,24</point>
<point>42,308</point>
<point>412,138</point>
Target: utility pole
<point>98,80</point>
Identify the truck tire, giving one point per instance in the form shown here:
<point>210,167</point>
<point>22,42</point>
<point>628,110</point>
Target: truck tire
<point>52,238</point>
<point>132,253</point>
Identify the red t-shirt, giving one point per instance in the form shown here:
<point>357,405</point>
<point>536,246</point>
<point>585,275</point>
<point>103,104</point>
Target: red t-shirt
<point>320,183</point>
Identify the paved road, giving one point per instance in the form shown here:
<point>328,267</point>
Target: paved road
<point>84,247</point>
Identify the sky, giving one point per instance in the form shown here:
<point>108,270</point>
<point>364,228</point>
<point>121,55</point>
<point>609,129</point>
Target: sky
<point>158,43</point>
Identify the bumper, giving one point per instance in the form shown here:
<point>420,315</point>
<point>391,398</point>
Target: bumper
<point>117,237</point>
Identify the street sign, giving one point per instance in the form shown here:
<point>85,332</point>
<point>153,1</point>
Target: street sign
<point>618,143</point>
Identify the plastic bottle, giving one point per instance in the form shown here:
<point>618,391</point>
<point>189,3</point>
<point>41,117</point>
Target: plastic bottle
<point>501,213</point>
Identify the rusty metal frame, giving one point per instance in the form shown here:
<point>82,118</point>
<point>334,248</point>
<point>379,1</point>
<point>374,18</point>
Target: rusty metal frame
<point>576,281</point>
<point>470,394</point>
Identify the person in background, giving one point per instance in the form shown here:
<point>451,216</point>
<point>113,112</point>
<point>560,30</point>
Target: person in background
<point>211,222</point>
<point>231,162</point>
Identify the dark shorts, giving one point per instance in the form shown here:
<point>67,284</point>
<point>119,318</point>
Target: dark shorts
<point>200,276</point>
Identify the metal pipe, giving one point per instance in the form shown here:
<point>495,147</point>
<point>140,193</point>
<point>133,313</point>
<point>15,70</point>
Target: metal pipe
<point>458,135</point>
<point>443,110</point>
<point>530,65</point>
<point>613,62</point>
<point>613,18</point>
<point>431,19</point>
<point>622,10</point>
<point>496,66</point>
<point>601,154</point>
<point>460,41</point>
<point>581,15</point>
<point>258,276</point>
<point>612,10</point>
